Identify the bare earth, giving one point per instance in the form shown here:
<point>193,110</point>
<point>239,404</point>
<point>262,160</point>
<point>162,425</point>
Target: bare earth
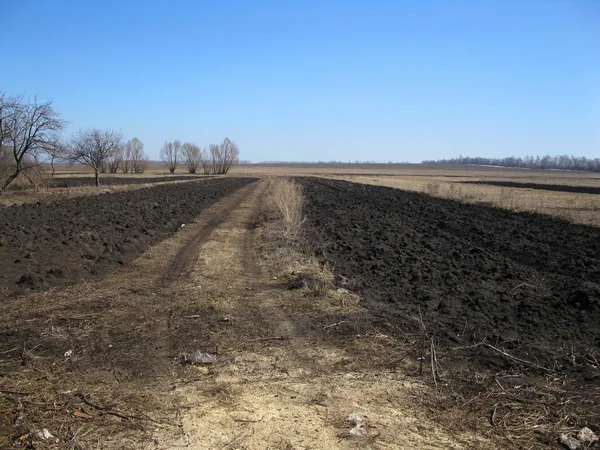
<point>279,382</point>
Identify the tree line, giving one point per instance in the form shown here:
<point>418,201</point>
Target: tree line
<point>216,159</point>
<point>560,162</point>
<point>31,136</point>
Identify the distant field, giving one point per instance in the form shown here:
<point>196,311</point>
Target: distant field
<point>568,195</point>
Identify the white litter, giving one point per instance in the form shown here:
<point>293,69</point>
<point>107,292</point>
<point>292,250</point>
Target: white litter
<point>68,353</point>
<point>587,435</point>
<point>42,434</point>
<point>360,428</point>
<point>199,357</point>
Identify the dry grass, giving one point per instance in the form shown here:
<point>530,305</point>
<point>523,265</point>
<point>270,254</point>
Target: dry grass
<point>285,199</point>
<point>285,244</point>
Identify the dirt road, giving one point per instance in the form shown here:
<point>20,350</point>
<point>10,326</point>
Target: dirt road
<point>98,363</point>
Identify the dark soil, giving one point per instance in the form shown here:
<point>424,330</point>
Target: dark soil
<point>47,245</point>
<point>526,284</point>
<point>539,186</point>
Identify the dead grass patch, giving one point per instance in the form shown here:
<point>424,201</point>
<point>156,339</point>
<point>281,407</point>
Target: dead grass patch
<point>285,245</point>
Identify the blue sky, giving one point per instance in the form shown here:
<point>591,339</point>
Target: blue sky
<point>318,80</point>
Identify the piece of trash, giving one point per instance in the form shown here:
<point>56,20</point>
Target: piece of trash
<point>343,291</point>
<point>199,357</point>
<point>68,353</point>
<point>569,441</point>
<point>586,435</point>
<point>360,428</point>
<point>354,419</point>
<point>42,434</point>
<point>181,226</point>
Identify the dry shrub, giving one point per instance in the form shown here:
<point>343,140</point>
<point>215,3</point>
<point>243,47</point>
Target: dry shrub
<point>285,199</point>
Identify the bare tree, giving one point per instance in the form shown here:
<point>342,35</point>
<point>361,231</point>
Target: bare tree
<point>137,157</point>
<point>93,147</point>
<point>192,155</point>
<point>26,131</point>
<point>56,149</point>
<point>169,153</point>
<point>115,160</point>
<point>126,165</point>
<point>230,154</point>
<point>223,156</point>
<point>215,157</point>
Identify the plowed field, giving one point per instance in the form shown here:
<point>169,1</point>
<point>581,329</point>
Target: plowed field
<point>498,291</point>
<point>53,244</point>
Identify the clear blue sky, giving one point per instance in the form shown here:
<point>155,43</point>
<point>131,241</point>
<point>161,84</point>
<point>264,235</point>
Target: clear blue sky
<point>318,80</point>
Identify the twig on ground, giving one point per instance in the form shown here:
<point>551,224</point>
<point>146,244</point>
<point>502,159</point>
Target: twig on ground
<point>335,324</point>
<point>9,351</point>
<point>119,414</point>
<point>433,362</point>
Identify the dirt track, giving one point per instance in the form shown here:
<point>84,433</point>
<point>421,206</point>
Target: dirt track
<point>53,244</point>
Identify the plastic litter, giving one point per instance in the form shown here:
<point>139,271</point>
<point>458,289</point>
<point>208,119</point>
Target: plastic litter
<point>199,357</point>
<point>586,435</point>
<point>360,428</point>
<point>42,434</point>
<point>569,441</point>
<point>343,291</point>
<point>68,353</point>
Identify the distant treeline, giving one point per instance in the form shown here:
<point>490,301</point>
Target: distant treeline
<point>561,162</point>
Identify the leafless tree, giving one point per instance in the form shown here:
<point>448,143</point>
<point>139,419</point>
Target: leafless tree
<point>115,160</point>
<point>169,153</point>
<point>192,155</point>
<point>215,156</point>
<point>134,159</point>
<point>230,153</point>
<point>126,165</point>
<point>26,131</point>
<point>223,156</point>
<point>56,149</point>
<point>93,147</point>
